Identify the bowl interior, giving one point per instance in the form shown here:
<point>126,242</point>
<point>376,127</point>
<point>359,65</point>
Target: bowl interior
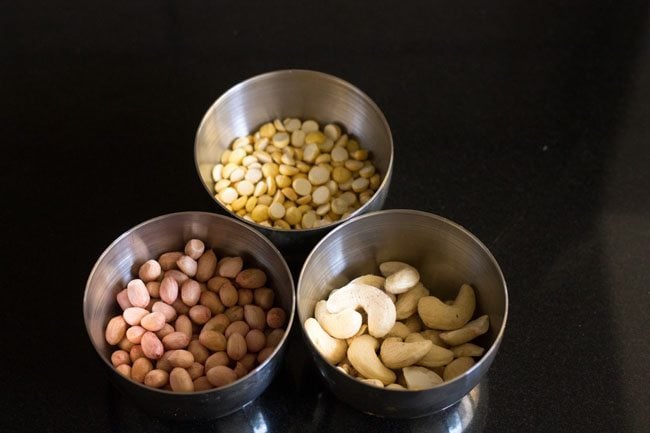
<point>446,256</point>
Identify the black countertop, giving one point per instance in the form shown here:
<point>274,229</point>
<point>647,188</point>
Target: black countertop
<point>527,124</point>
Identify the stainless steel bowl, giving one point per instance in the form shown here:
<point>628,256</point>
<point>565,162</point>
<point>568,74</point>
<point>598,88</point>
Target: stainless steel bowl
<point>117,265</point>
<point>302,94</point>
<point>446,255</point>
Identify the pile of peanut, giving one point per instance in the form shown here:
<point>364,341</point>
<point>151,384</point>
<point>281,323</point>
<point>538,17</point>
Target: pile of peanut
<point>291,175</point>
<point>190,322</point>
<point>407,340</point>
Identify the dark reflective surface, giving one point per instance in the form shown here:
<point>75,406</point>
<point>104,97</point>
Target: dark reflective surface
<point>525,123</point>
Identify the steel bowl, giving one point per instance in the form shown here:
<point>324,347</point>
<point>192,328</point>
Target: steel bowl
<point>121,260</point>
<point>446,256</point>
<point>306,95</point>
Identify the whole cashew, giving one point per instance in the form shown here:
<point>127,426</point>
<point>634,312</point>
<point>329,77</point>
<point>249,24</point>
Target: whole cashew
<point>395,353</point>
<point>332,349</point>
<point>371,280</point>
<point>399,330</point>
<point>457,367</point>
<point>378,306</point>
<point>436,356</point>
<point>364,359</point>
<point>438,315</point>
<point>468,332</point>
<point>420,378</point>
<point>467,349</point>
<point>400,276</point>
<point>339,325</point>
<point>407,303</point>
<point>373,382</point>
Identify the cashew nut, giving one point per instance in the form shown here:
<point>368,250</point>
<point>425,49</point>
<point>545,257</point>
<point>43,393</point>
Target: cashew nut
<point>434,336</point>
<point>395,386</point>
<point>378,306</point>
<point>332,349</point>
<point>373,382</point>
<point>468,332</point>
<point>340,325</point>
<point>399,330</point>
<point>407,303</point>
<point>364,359</point>
<point>438,315</point>
<point>467,349</point>
<point>395,353</point>
<point>361,331</point>
<point>420,378</point>
<point>437,356</point>
<point>400,277</point>
<point>413,323</point>
<point>371,280</point>
<point>457,367</point>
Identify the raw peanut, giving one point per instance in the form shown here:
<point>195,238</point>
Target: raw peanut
<point>125,344</point>
<point>177,275</point>
<point>116,330</point>
<point>234,313</point>
<point>190,292</point>
<point>180,380</point>
<point>228,294</point>
<point>195,370</point>
<point>187,265</point>
<point>274,337</point>
<point>245,297</point>
<point>154,289</point>
<point>152,347</point>
<point>251,278</point>
<point>165,331</point>
<point>181,358</point>
<point>124,370</point>
<point>249,361</point>
<point>149,271</point>
<point>264,297</point>
<point>137,293</point>
<point>276,317</point>
<point>136,352</point>
<point>213,340</point>
<point>240,370</point>
<point>215,283</point>
<point>134,334</point>
<point>140,368</point>
<point>153,321</point>
<point>212,301</point>
<point>168,260</point>
<point>255,340</point>
<point>218,323</point>
<point>264,354</point>
<point>166,310</point>
<point>194,248</point>
<point>229,267</point>
<point>221,375</point>
<point>180,306</point>
<point>254,316</point>
<point>156,378</point>
<point>199,352</point>
<point>217,358</point>
<point>239,327</point>
<point>202,384</point>
<point>168,290</point>
<point>123,300</point>
<point>236,346</point>
<point>206,266</point>
<point>120,357</point>
<point>176,340</point>
<point>184,324</point>
<point>163,362</point>
<point>200,314</point>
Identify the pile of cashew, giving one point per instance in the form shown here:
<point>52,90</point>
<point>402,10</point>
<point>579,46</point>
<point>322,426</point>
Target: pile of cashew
<point>389,331</point>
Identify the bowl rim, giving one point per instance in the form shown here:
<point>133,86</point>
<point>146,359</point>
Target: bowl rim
<point>350,87</point>
<point>262,238</point>
<point>488,356</point>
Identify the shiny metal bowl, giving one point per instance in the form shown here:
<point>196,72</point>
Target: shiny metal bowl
<point>302,94</point>
<point>121,260</point>
<point>446,256</point>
